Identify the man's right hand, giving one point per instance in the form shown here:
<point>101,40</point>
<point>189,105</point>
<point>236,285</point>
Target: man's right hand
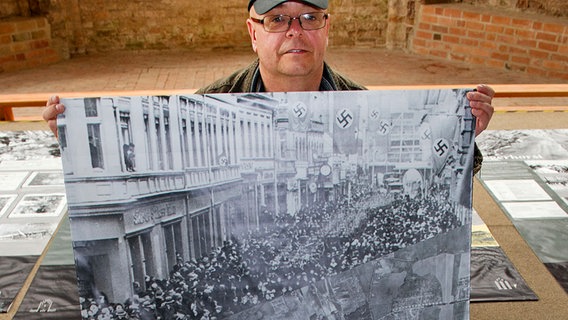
<point>52,109</point>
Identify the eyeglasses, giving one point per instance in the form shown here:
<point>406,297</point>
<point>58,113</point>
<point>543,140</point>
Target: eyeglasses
<point>282,22</point>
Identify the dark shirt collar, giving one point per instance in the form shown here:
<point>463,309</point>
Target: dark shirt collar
<point>326,83</point>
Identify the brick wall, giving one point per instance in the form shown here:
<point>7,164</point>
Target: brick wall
<point>25,43</point>
<point>501,39</point>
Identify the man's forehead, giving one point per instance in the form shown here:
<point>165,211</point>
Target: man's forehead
<point>263,6</point>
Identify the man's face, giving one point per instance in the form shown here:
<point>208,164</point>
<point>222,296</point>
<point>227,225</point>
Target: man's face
<point>294,53</point>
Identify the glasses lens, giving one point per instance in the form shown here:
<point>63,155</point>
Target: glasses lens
<point>281,23</point>
<point>278,23</point>
<point>313,21</point>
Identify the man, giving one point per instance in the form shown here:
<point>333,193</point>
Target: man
<point>290,38</point>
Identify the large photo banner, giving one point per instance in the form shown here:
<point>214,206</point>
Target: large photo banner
<point>311,205</point>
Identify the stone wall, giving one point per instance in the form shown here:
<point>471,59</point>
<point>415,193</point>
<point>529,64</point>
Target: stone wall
<point>84,26</point>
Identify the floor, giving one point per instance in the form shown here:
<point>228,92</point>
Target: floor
<point>146,70</point>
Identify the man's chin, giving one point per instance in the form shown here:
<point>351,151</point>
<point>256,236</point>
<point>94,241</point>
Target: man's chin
<point>297,68</point>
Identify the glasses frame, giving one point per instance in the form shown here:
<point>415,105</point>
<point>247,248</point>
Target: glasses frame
<point>261,21</point>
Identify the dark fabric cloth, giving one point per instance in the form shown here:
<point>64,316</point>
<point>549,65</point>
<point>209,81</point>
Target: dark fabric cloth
<point>494,278</point>
<point>13,274</point>
<point>249,80</point>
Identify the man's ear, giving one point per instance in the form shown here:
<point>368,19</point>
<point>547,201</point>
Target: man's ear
<point>252,33</point>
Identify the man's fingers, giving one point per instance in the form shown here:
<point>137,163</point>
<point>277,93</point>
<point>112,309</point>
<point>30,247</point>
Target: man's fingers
<point>52,110</point>
<point>487,90</point>
<point>52,100</point>
<point>52,124</point>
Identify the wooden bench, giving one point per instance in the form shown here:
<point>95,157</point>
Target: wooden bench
<point>503,92</point>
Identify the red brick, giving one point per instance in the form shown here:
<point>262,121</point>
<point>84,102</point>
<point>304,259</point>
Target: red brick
<point>529,43</point>
<point>41,23</point>
<point>418,42</point>
<point>26,25</point>
<point>475,34</point>
<point>500,56</point>
<point>554,28</point>
<point>458,31</point>
<point>494,63</point>
<point>491,45</point>
<point>451,12</point>
<point>476,60</point>
<point>559,58</point>
<point>546,36</point>
<point>424,26</point>
<point>475,25</point>
<point>525,33</point>
<point>420,50</point>
<point>7,58</point>
<point>440,29</point>
<point>537,71</point>
<point>521,60</point>
<point>428,10</point>
<point>469,42</point>
<point>457,57</point>
<point>423,34</point>
<point>439,53</point>
<point>493,28</point>
<point>7,28</point>
<point>471,16</point>
<point>552,47</point>
<point>539,54</point>
<point>481,52</point>
<point>39,44</point>
<point>485,18</point>
<point>446,21</point>
<point>501,20</point>
<point>5,39</point>
<point>555,65</point>
<point>509,31</point>
<point>559,75</point>
<point>518,50</point>
<point>451,39</point>
<point>21,46</point>
<point>516,67</point>
<point>429,19</point>
<point>506,39</point>
<point>521,22</point>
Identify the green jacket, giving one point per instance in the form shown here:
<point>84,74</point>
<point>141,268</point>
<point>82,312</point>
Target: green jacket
<point>248,80</point>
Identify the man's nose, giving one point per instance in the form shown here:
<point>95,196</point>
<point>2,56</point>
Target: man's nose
<point>295,27</point>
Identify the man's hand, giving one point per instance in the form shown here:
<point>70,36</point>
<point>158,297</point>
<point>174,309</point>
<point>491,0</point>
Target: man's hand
<point>481,108</point>
<point>52,109</point>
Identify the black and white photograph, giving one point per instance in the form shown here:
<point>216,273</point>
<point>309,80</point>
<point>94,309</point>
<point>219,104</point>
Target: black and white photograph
<point>32,192</point>
<point>12,180</point>
<point>42,179</point>
<point>554,174</point>
<point>300,205</point>
<point>525,173</point>
<point>524,144</point>
<point>5,202</point>
<point>39,205</point>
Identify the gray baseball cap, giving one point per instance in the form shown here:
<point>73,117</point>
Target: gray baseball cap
<point>263,6</point>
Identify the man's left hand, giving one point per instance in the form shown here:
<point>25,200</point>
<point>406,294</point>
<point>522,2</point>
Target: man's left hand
<point>481,108</point>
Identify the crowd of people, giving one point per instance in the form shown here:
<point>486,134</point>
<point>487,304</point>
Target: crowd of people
<point>293,251</point>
